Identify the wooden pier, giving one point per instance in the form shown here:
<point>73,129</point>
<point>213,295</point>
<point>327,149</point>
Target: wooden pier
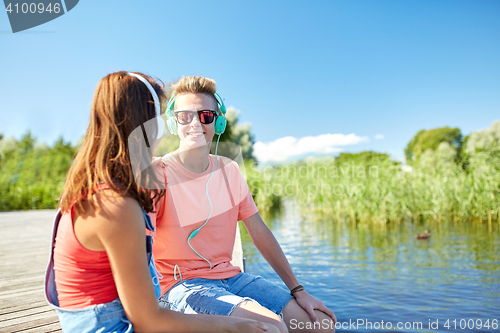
<point>24,253</point>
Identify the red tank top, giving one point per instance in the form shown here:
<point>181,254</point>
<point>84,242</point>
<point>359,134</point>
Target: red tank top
<point>82,277</point>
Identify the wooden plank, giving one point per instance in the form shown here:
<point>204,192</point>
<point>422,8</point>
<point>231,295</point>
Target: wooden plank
<point>33,323</point>
<point>24,313</point>
<point>15,308</point>
<point>33,320</point>
<point>24,254</point>
<point>23,279</point>
<point>20,292</point>
<point>238,251</point>
<point>27,300</point>
<point>45,328</point>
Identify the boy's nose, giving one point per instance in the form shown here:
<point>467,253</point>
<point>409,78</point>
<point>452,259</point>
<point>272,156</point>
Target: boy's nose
<point>196,121</point>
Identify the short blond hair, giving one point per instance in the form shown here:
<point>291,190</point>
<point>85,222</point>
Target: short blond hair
<point>195,85</point>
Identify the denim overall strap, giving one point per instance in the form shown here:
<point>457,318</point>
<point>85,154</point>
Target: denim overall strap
<point>155,275</point>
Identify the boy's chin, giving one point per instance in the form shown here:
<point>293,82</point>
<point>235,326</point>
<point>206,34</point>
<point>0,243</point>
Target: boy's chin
<point>196,143</point>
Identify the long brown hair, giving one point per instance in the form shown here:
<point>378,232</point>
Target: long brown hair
<point>121,103</point>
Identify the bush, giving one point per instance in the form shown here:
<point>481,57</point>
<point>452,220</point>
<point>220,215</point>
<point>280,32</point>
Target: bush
<point>32,177</point>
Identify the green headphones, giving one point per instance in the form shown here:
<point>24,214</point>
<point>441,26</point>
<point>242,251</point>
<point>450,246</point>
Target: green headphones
<point>220,121</point>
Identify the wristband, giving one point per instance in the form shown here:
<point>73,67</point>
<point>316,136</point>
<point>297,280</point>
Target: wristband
<point>296,289</point>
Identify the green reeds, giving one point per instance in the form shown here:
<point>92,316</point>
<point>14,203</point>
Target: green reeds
<point>378,190</point>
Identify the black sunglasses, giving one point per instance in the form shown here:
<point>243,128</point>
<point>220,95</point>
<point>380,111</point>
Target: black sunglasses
<point>186,117</point>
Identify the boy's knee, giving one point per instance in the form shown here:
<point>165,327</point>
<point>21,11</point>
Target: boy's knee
<point>325,324</point>
<point>254,311</point>
<point>310,327</point>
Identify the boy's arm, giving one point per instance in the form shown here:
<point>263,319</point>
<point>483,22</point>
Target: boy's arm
<point>270,249</point>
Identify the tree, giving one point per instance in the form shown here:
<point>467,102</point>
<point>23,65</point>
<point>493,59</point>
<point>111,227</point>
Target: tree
<point>244,138</point>
<point>484,142</point>
<point>410,147</point>
<point>7,147</point>
<point>430,139</point>
<point>239,134</point>
<point>27,142</point>
<point>63,147</point>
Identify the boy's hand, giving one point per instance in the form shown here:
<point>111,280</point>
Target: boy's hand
<point>310,303</point>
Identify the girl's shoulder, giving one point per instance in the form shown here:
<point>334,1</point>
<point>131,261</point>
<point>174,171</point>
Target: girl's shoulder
<point>110,207</point>
<point>108,215</point>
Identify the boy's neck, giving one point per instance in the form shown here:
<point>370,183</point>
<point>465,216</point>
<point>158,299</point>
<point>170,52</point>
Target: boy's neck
<point>194,159</point>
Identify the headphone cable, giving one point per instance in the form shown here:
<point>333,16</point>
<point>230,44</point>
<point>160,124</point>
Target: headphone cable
<point>194,233</point>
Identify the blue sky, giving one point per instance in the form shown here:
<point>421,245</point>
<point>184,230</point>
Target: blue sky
<point>295,69</point>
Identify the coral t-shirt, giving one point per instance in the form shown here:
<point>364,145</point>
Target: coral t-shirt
<point>185,207</point>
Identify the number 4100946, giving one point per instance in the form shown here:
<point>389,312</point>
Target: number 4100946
<point>33,8</point>
<point>471,324</point>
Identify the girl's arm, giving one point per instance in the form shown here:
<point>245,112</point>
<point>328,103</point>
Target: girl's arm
<point>270,249</point>
<point>118,226</point>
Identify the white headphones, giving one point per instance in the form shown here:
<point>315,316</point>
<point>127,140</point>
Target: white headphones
<point>159,119</point>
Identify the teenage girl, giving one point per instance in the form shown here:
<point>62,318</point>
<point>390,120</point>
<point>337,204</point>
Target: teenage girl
<point>100,277</point>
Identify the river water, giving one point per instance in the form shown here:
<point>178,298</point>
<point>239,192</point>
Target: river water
<point>372,273</point>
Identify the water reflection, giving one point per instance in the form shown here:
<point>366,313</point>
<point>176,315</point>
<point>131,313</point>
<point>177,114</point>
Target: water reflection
<point>382,272</point>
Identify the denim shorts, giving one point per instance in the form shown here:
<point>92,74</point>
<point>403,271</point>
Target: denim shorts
<point>107,317</point>
<point>221,297</point>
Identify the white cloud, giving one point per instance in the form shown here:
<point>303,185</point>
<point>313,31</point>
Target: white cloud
<point>379,136</point>
<point>281,149</point>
